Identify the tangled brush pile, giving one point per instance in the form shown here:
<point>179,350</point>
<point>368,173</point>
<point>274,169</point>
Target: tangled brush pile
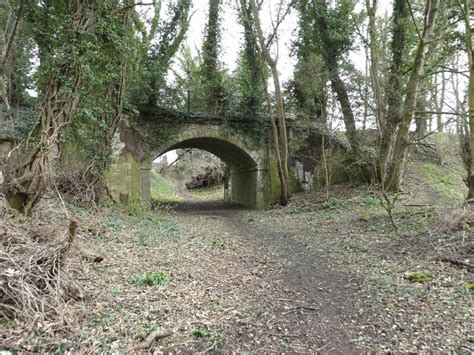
<point>82,186</point>
<point>34,286</point>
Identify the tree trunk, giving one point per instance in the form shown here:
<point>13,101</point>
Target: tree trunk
<point>374,66</point>
<point>470,178</point>
<point>282,130</point>
<point>210,53</point>
<point>7,39</point>
<point>366,90</point>
<point>421,118</point>
<point>439,120</point>
<point>394,89</point>
<point>276,147</point>
<point>337,84</point>
<point>466,11</point>
<point>26,182</point>
<point>397,164</point>
<point>380,102</point>
<point>348,116</point>
<point>282,138</point>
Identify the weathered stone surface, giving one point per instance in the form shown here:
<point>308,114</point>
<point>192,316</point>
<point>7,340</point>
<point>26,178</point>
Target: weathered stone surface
<point>252,182</point>
<point>6,145</point>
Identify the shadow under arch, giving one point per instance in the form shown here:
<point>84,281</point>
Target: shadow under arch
<point>244,171</point>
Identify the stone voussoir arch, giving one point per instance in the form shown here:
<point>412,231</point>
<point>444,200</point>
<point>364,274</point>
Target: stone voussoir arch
<point>246,152</point>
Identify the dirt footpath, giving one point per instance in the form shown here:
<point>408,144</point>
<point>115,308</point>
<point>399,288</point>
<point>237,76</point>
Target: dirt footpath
<point>313,277</point>
<point>295,301</point>
<point>332,276</point>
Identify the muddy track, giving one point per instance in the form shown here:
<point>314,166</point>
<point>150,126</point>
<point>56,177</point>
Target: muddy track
<point>309,307</point>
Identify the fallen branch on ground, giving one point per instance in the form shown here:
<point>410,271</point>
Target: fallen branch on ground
<point>146,344</point>
<point>457,262</point>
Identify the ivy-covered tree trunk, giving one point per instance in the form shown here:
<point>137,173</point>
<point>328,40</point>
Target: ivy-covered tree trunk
<point>82,41</point>
<point>26,183</point>
<point>7,38</point>
<point>26,180</point>
<point>253,73</point>
<point>310,75</point>
<point>210,52</point>
<point>329,55</point>
<point>397,163</point>
<point>395,87</point>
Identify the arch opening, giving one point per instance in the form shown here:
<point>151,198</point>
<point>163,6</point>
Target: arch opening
<point>231,154</point>
<point>243,170</point>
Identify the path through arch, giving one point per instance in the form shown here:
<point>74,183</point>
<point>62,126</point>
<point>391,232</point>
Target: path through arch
<point>253,178</point>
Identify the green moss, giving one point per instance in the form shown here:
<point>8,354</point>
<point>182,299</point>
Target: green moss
<point>371,202</point>
<point>294,184</point>
<point>418,276</point>
<point>338,173</point>
<point>275,180</point>
<point>125,177</point>
<point>341,171</point>
<point>72,156</point>
<point>469,287</point>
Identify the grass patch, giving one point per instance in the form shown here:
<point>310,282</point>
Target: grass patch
<point>210,193</point>
<point>148,229</point>
<point>136,209</point>
<point>333,204</point>
<point>161,189</point>
<point>446,178</point>
<point>298,210</point>
<point>370,201</point>
<point>203,332</point>
<point>150,279</point>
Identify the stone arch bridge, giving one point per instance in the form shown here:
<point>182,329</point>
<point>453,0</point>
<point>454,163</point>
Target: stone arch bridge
<point>242,144</point>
